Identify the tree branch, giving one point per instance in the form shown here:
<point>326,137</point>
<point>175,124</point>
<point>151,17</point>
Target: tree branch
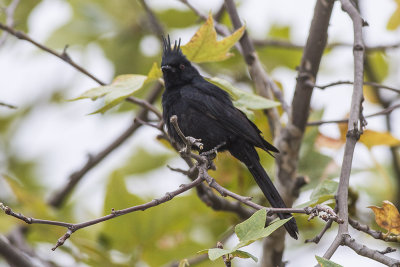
<point>265,86</point>
<point>12,255</point>
<point>7,105</point>
<point>290,139</point>
<point>375,234</point>
<point>355,125</point>
<point>114,213</point>
<point>385,111</point>
<point>63,56</point>
<point>289,45</point>
<point>363,250</point>
<point>373,84</point>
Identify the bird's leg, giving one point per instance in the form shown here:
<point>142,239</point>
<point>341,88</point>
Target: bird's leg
<point>211,155</point>
<point>213,152</point>
<point>187,140</point>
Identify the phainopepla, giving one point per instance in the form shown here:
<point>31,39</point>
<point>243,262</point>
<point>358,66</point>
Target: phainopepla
<point>206,112</point>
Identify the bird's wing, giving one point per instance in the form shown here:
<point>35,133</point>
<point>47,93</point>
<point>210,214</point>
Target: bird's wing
<point>215,103</point>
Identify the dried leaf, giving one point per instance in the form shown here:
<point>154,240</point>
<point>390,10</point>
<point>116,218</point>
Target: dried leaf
<point>204,47</point>
<point>387,217</point>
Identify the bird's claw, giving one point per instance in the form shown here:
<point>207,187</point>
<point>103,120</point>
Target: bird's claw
<point>195,142</point>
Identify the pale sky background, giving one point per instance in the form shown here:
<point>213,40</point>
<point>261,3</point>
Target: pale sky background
<point>61,136</point>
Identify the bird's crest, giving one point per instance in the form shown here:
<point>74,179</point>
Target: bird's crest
<point>168,49</point>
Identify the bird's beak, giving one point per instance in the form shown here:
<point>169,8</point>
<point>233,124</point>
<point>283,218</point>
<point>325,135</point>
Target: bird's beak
<point>166,67</point>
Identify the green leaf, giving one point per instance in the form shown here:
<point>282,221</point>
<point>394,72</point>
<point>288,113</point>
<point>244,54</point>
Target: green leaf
<point>121,87</point>
<point>326,263</point>
<point>323,192</point>
<point>204,47</point>
<point>244,255</point>
<point>154,73</point>
<point>274,57</point>
<point>380,65</point>
<point>253,228</point>
<point>250,228</point>
<point>248,231</point>
<point>242,98</point>
<point>215,253</point>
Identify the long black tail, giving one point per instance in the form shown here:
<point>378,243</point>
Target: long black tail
<point>270,192</point>
<point>249,156</point>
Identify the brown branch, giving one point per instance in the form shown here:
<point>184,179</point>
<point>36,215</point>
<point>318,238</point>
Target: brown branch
<point>264,85</point>
<point>363,250</point>
<point>145,104</point>
<point>373,84</point>
<point>154,22</point>
<point>12,255</point>
<point>355,126</point>
<point>63,56</point>
<point>114,213</point>
<point>375,234</point>
<point>220,28</point>
<point>7,105</point>
<point>289,45</point>
<point>385,111</point>
<point>290,139</point>
<point>318,237</point>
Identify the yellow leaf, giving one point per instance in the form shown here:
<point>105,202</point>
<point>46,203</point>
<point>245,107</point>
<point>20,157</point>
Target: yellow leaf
<point>372,138</point>
<point>387,217</point>
<point>204,47</point>
<point>154,73</point>
<point>394,21</point>
<point>370,94</point>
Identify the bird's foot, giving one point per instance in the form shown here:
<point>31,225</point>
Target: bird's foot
<point>211,154</point>
<point>195,142</point>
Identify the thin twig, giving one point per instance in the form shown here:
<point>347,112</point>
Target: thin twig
<point>114,213</point>
<point>63,56</point>
<point>385,111</point>
<point>7,105</point>
<point>375,234</point>
<point>145,104</point>
<point>373,84</point>
<point>289,45</point>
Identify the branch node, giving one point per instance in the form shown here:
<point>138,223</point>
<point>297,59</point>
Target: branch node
<point>65,55</point>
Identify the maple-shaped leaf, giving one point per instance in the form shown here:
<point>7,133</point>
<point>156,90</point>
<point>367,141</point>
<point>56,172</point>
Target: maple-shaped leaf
<point>204,46</point>
<point>387,217</point>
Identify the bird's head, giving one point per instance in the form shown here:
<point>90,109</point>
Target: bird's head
<point>177,70</point>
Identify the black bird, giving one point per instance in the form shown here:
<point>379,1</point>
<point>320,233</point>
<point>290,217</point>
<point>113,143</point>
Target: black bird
<point>206,112</point>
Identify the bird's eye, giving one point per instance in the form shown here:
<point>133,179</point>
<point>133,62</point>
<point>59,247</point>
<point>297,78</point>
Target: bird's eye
<point>182,66</point>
